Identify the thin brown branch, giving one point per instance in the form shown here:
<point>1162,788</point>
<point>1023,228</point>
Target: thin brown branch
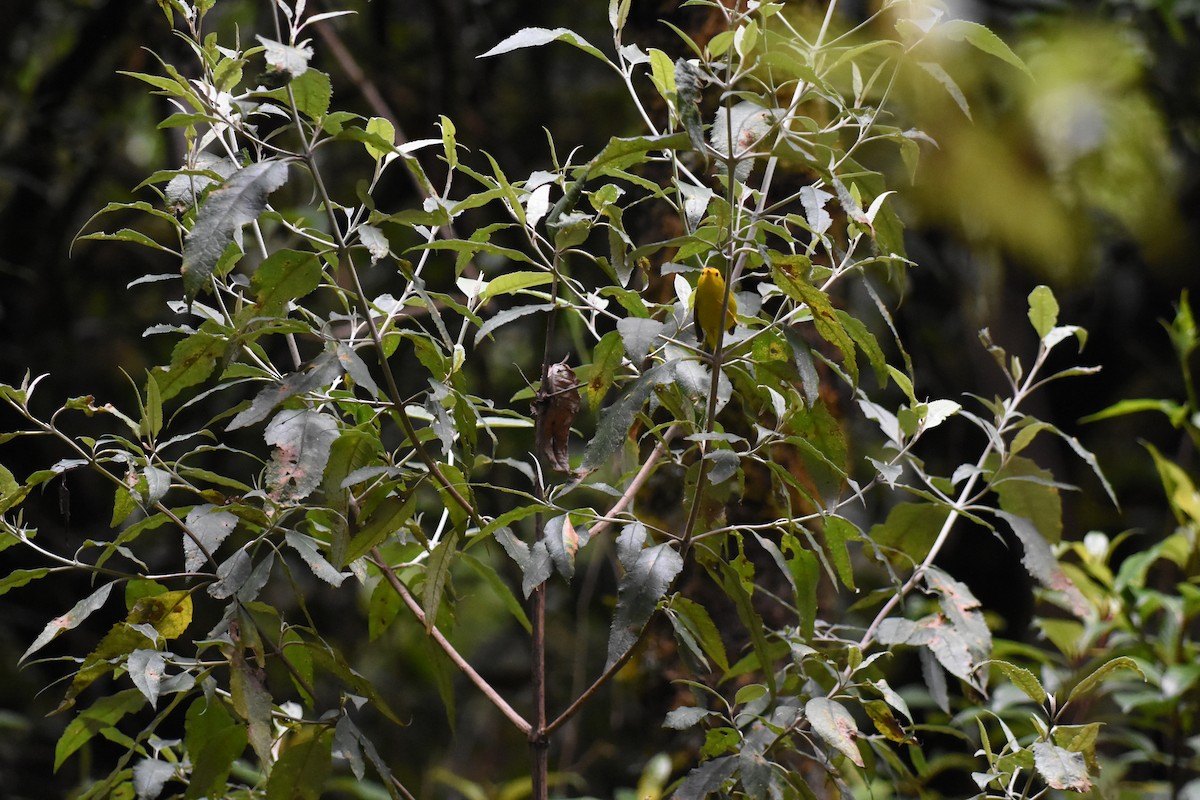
<point>604,678</point>
<point>463,665</point>
<point>638,481</point>
<point>401,788</point>
<point>539,744</point>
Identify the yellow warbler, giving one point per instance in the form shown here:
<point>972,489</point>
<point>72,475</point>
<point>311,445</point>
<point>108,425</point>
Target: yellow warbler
<point>706,308</point>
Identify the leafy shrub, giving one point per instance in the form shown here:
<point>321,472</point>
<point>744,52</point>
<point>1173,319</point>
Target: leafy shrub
<point>338,419</point>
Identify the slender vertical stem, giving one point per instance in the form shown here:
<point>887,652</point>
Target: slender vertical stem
<point>539,743</point>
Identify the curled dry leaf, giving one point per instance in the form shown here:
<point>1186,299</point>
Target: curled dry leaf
<point>555,406</point>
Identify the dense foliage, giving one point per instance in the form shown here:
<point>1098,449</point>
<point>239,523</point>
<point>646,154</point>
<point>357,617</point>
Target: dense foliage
<point>515,444</point>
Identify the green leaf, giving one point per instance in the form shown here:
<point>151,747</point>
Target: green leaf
<point>303,767</point>
<point>500,587</point>
<point>469,248</point>
<point>1089,684</point>
<point>1026,490</point>
<point>1176,412</point>
<point>536,37</point>
<point>391,515</point>
<point>152,413</point>
<point>982,38</point>
<point>616,421</point>
<point>1023,679</point>
<point>102,715</point>
<point>839,531</point>
<point>662,73</point>
<point>8,483</point>
<point>192,361</point>
<point>649,572</point>
<point>795,285</point>
<point>78,613</point>
<point>332,662</point>
<point>214,739</point>
<point>1080,739</point>
<point>736,581</point>
<point>283,276</point>
<point>449,145</point>
<point>312,91</point>
<point>1179,488</point>
<point>383,128</point>
<point>698,622</point>
<point>867,343</point>
<point>621,152</point>
<point>167,85</point>
<point>228,73</point>
<point>124,504</point>
<point>324,369</point>
<point>513,282</point>
<point>382,608</point>
<point>252,702</point>
<point>302,439</point>
<point>375,140</point>
<point>571,230</point>
<point>910,528</point>
<point>127,235</point>
<point>804,571</point>
<point>885,721</point>
<point>606,360</point>
<point>437,571</point>
<point>20,577</point>
<point>456,479</point>
<point>1043,310</point>
<point>235,203</point>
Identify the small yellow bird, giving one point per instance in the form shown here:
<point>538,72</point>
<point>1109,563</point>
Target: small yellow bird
<point>706,308</point>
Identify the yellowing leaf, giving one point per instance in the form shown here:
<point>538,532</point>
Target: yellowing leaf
<point>384,130</point>
<point>169,614</point>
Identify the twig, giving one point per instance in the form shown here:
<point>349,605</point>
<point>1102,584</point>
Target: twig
<point>638,481</point>
<point>604,678</point>
<point>463,665</point>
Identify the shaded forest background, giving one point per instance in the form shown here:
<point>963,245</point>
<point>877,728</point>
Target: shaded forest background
<point>1023,193</point>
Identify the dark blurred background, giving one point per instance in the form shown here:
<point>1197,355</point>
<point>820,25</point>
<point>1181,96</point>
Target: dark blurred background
<point>1086,178</point>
